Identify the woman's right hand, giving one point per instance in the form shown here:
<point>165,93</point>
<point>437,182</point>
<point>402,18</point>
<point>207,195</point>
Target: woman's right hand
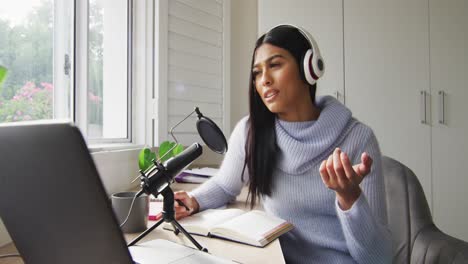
<point>189,204</point>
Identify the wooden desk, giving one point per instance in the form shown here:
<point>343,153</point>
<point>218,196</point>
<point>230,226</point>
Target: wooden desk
<point>9,249</point>
<point>272,253</point>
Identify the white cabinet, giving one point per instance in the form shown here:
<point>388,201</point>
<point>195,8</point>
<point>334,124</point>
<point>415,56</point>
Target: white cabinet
<point>323,21</point>
<point>386,69</point>
<point>449,74</point>
<point>395,51</point>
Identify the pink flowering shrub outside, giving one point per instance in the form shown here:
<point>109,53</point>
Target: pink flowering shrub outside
<point>33,102</point>
<point>29,103</point>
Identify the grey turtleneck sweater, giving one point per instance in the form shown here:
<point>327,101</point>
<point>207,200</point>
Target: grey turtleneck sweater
<point>323,233</point>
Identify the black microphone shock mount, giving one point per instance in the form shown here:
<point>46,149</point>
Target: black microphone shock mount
<point>157,179</point>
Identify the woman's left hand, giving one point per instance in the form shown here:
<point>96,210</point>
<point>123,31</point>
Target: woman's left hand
<point>341,176</point>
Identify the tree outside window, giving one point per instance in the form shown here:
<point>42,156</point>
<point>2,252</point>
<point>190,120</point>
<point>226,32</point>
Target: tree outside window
<point>26,50</point>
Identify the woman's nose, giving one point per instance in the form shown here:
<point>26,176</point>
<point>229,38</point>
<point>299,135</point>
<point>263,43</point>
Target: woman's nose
<point>266,79</point>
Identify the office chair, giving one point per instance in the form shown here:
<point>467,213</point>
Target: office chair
<point>416,239</point>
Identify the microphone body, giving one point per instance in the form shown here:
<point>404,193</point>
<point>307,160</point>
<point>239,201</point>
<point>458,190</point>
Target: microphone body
<point>177,164</point>
<point>161,178</point>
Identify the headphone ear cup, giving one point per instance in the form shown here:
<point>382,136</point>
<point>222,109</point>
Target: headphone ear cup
<point>318,65</point>
<point>309,74</point>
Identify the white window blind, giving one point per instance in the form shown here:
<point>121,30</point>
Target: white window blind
<point>197,74</point>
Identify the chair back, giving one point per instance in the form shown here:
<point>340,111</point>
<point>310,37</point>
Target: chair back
<point>407,209</point>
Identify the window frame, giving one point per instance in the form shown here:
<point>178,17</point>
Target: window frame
<point>62,98</point>
<point>135,13</point>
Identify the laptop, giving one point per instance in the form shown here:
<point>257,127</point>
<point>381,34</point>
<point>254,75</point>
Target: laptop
<point>55,207</point>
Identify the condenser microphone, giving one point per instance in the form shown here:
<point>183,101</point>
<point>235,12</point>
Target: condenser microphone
<point>161,178</point>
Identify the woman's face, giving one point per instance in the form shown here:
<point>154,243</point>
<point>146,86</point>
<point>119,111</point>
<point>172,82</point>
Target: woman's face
<point>278,82</point>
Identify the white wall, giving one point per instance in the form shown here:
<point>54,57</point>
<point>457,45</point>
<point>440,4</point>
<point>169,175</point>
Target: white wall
<point>244,24</point>
<point>243,37</point>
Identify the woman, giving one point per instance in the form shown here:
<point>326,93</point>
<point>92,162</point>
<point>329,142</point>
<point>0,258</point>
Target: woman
<point>296,153</point>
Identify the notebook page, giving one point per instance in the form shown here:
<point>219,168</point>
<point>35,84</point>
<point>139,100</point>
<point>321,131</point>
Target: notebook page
<point>163,251</point>
<point>210,217</point>
<point>254,224</point>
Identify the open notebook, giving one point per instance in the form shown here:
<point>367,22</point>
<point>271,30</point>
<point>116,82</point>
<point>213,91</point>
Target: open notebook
<point>255,228</point>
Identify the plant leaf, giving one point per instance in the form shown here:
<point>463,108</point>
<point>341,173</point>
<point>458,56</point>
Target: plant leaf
<point>177,150</point>
<point>142,159</point>
<point>164,148</point>
<point>3,74</point>
<point>145,158</point>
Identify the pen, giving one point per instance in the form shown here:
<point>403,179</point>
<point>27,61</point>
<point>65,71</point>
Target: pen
<point>181,203</point>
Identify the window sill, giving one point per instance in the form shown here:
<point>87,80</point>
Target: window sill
<point>96,148</point>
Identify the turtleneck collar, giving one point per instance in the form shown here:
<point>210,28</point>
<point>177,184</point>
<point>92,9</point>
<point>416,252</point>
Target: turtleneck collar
<point>300,143</point>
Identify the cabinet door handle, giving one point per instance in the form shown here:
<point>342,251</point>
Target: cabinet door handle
<point>423,107</point>
<point>337,95</point>
<point>442,108</point>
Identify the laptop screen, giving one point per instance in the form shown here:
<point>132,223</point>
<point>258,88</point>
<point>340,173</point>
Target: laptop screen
<point>52,200</point>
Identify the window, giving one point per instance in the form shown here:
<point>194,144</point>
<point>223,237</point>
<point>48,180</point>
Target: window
<point>26,51</point>
<point>123,70</point>
<point>59,67</point>
<point>108,99</point>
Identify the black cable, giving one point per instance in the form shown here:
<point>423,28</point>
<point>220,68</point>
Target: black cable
<point>15,255</point>
<point>129,210</point>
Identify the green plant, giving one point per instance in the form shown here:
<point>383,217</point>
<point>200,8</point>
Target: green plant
<point>3,75</point>
<point>146,156</point>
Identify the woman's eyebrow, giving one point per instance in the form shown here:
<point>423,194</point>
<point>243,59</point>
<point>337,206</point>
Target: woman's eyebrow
<point>269,59</point>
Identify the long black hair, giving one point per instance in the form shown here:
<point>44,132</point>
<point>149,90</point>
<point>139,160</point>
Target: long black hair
<point>260,147</point>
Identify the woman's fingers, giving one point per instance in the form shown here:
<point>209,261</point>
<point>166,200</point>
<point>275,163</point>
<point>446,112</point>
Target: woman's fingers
<point>182,204</point>
<point>341,178</point>
<point>324,173</point>
<point>331,173</point>
<point>181,195</point>
<point>339,174</point>
<point>363,168</point>
<point>181,212</point>
<point>348,168</point>
<point>367,161</point>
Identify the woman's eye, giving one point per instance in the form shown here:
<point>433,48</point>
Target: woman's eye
<point>255,73</point>
<point>274,65</point>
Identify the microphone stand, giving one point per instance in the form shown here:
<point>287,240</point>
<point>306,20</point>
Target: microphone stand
<point>168,215</point>
<point>157,179</point>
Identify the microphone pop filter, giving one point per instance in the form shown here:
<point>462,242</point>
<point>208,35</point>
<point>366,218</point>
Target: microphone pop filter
<point>211,134</point>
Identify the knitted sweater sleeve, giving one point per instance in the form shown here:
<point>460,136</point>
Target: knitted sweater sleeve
<point>227,184</point>
<point>365,223</point>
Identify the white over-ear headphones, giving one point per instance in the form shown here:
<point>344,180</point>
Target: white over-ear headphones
<point>313,65</point>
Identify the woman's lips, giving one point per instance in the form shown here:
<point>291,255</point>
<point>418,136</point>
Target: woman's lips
<point>271,95</point>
